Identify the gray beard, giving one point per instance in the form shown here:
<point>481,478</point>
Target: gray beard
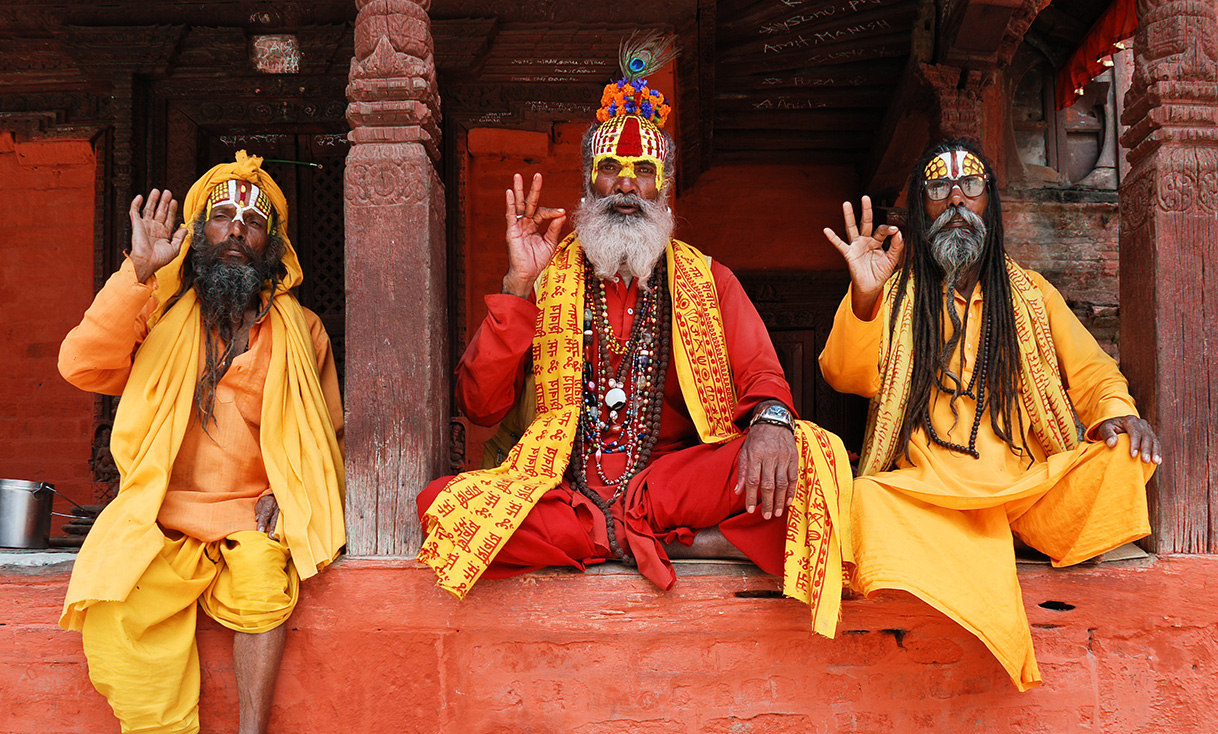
<point>625,244</point>
<point>956,249</point>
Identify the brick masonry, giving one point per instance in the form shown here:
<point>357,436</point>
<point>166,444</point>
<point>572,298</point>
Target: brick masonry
<point>1071,239</point>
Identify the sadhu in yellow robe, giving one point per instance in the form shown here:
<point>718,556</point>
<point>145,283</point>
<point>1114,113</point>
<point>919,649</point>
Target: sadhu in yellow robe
<point>939,523</point>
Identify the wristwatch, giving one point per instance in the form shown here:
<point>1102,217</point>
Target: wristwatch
<point>777,414</point>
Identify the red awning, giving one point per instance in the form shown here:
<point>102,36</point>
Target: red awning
<point>1116,24</point>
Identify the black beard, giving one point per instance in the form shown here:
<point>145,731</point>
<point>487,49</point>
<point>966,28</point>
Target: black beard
<point>227,288</point>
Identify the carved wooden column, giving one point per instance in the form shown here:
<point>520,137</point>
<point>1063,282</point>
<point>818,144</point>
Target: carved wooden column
<point>1169,262</point>
<point>397,381</point>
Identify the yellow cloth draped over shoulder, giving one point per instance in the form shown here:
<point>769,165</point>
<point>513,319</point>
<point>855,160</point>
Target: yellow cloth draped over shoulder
<point>1042,394</point>
<point>303,459</point>
<point>477,512</point>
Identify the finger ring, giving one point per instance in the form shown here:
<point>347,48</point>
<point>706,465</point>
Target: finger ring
<point>520,216</point>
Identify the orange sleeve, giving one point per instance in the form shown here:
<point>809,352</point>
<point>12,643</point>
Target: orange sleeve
<point>328,371</point>
<point>1094,382</point>
<point>850,361</point>
<point>96,355</point>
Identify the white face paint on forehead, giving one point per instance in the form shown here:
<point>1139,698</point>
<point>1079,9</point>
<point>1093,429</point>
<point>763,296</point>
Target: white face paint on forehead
<point>244,196</point>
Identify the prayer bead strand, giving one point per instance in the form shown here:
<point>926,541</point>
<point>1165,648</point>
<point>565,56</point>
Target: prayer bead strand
<point>981,368</point>
<point>642,368</point>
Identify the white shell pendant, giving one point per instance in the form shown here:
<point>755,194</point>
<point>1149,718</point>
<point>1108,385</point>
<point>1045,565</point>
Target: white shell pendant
<point>615,398</point>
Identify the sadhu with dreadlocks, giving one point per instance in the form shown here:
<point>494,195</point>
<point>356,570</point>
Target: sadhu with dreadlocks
<point>979,376</point>
<point>228,441</point>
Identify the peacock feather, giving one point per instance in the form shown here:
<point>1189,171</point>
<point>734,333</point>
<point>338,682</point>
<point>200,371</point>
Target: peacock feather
<point>644,53</point>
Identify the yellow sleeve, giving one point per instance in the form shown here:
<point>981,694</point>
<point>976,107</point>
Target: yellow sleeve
<point>1094,382</point>
<point>850,361</point>
<point>97,354</point>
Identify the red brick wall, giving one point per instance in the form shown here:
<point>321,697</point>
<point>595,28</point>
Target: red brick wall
<point>46,220</point>
<point>1074,245</point>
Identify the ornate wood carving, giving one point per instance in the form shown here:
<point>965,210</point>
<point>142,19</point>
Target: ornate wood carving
<point>398,361</point>
<point>1168,262</point>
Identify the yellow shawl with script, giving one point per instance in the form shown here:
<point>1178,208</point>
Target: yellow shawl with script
<point>303,459</point>
<point>478,511</point>
<point>1042,394</point>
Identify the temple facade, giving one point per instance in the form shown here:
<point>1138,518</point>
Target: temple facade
<point>393,127</point>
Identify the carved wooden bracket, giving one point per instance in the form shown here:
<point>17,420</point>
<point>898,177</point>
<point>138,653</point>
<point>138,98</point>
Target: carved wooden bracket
<point>392,89</point>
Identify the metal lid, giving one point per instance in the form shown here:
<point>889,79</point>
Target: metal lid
<point>20,485</point>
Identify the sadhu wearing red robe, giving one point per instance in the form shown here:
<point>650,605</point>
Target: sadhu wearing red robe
<point>651,409</point>
<point>993,411</point>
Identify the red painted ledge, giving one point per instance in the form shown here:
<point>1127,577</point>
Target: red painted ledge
<point>376,647</point>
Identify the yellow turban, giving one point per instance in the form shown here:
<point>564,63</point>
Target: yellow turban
<point>245,168</point>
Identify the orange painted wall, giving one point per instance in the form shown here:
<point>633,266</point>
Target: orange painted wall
<point>376,647</point>
<point>46,283</point>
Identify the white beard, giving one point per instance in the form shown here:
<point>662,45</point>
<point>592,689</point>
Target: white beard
<point>629,245</point>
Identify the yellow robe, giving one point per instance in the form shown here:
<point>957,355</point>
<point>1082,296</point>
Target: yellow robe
<point>939,523</point>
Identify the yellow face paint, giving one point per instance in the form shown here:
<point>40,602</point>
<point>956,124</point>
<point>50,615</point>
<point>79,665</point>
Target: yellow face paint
<point>953,164</point>
<point>627,164</point>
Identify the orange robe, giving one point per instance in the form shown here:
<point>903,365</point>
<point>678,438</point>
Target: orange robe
<point>939,524</point>
<point>216,478</point>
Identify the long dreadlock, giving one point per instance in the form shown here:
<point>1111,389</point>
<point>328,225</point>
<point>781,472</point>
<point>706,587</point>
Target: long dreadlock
<point>217,328</point>
<point>932,352</point>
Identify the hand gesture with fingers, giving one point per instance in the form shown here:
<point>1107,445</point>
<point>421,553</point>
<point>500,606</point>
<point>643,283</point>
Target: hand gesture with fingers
<point>870,265</point>
<point>152,246</point>
<point>531,241</point>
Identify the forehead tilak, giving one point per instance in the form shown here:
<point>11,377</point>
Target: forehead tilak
<point>245,196</point>
<point>953,164</point>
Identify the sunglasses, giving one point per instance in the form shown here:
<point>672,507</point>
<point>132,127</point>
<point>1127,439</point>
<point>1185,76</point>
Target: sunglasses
<point>970,186</point>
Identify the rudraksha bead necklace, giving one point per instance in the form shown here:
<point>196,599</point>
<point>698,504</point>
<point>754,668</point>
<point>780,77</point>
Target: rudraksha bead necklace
<point>632,395</point>
<point>980,369</point>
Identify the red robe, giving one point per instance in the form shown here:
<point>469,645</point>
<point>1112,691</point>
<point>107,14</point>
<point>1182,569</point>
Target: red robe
<point>686,486</point>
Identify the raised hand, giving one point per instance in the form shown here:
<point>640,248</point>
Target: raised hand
<point>870,265</point>
<point>152,246</point>
<point>531,241</point>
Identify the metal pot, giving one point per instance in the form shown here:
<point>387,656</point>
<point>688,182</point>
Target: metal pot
<point>25,513</point>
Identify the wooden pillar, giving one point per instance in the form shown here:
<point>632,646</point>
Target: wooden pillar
<point>1169,262</point>
<point>397,382</point>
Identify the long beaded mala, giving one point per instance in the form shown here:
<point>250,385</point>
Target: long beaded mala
<point>634,420</point>
<point>981,369</point>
